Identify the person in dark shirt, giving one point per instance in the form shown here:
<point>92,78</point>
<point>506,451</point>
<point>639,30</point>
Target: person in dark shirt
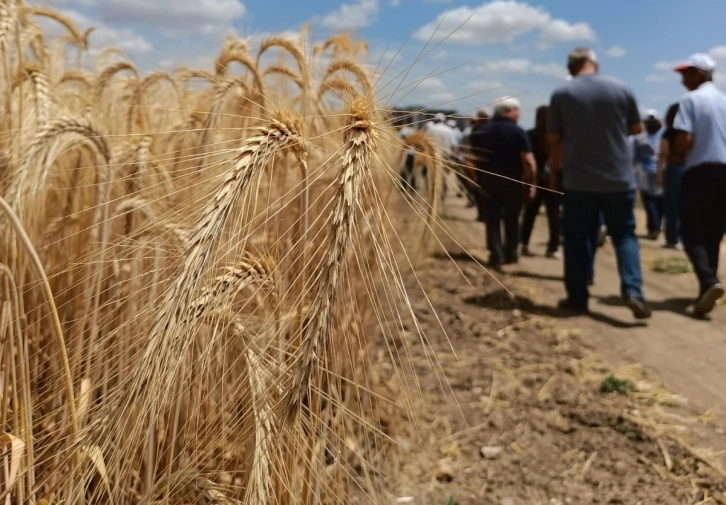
<point>589,121</point>
<point>552,200</point>
<point>671,167</point>
<point>469,161</point>
<point>503,161</point>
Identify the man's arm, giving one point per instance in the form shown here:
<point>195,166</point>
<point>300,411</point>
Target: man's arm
<point>635,125</point>
<point>554,141</point>
<point>529,166</point>
<point>663,149</point>
<point>663,153</point>
<point>683,143</point>
<point>555,129</point>
<point>683,124</point>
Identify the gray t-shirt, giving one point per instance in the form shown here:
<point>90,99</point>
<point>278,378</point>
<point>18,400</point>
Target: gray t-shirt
<point>592,114</point>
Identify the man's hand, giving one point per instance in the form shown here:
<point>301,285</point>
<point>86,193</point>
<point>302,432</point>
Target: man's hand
<point>635,129</point>
<point>683,143</point>
<point>531,192</point>
<point>555,161</point>
<point>659,179</point>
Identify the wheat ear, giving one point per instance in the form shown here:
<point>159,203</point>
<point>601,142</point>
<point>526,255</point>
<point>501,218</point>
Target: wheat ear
<point>355,165</point>
<point>353,68</point>
<point>168,336</point>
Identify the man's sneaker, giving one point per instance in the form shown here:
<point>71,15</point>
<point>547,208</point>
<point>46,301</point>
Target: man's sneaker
<point>638,307</point>
<point>675,247</point>
<point>526,251</point>
<point>653,235</point>
<point>708,299</point>
<point>555,255</point>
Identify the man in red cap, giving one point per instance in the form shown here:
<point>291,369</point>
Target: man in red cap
<point>701,137</point>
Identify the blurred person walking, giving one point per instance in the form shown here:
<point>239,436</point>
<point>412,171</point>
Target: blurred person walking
<point>701,137</point>
<point>458,134</point>
<point>646,148</point>
<point>408,179</point>
<point>503,160</point>
<point>443,136</point>
<point>481,117</point>
<point>671,166</point>
<point>445,140</point>
<point>552,200</point>
<point>589,121</point>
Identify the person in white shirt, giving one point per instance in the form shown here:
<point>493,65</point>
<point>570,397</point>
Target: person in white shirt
<point>701,136</point>
<point>443,136</point>
<point>451,123</point>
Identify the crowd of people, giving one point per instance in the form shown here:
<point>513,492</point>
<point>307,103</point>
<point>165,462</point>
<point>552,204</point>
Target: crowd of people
<point>589,155</point>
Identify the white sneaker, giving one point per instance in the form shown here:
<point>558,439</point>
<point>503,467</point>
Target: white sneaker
<point>526,251</point>
<point>555,255</point>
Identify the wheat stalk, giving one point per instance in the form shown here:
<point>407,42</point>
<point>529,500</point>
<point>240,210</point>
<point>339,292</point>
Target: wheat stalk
<point>355,163</point>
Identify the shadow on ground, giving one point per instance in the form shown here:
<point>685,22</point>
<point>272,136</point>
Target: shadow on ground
<point>502,299</point>
<point>680,306</point>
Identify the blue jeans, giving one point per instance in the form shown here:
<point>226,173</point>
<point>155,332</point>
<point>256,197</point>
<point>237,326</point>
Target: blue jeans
<point>672,188</point>
<point>653,205</point>
<point>581,218</point>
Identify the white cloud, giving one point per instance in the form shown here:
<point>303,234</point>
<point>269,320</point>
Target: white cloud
<point>520,66</point>
<point>616,52</point>
<point>480,86</point>
<point>718,53</point>
<point>432,91</point>
<point>170,16</point>
<point>663,70</point>
<point>559,30</point>
<point>656,77</point>
<point>439,56</point>
<point>665,66</point>
<point>501,21</point>
<point>103,35</point>
<point>514,66</point>
<point>351,16</point>
<point>550,69</point>
<point>395,3</point>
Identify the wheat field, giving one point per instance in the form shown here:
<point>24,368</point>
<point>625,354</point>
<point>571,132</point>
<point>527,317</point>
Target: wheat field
<point>191,266</point>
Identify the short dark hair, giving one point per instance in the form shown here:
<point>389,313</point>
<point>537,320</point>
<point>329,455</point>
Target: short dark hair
<point>578,57</point>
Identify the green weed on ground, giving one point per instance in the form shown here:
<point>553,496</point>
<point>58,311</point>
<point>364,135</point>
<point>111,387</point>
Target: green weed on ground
<point>672,266</point>
<point>612,384</point>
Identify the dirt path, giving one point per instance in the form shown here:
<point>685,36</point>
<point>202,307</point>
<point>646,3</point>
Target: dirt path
<point>687,354</point>
<point>512,412</point>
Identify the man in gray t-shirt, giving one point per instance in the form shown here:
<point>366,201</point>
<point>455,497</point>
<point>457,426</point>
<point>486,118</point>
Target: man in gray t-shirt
<point>592,114</point>
<point>590,119</point>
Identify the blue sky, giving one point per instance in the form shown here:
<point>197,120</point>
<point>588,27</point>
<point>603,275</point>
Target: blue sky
<point>492,48</point>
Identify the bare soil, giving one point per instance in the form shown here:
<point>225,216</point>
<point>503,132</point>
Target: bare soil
<point>505,392</point>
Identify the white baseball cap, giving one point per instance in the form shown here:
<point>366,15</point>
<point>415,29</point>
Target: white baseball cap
<point>701,61</point>
<point>451,123</point>
<point>439,116</point>
<point>651,114</point>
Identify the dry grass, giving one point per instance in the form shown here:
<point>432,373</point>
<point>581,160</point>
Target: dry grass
<point>190,265</point>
